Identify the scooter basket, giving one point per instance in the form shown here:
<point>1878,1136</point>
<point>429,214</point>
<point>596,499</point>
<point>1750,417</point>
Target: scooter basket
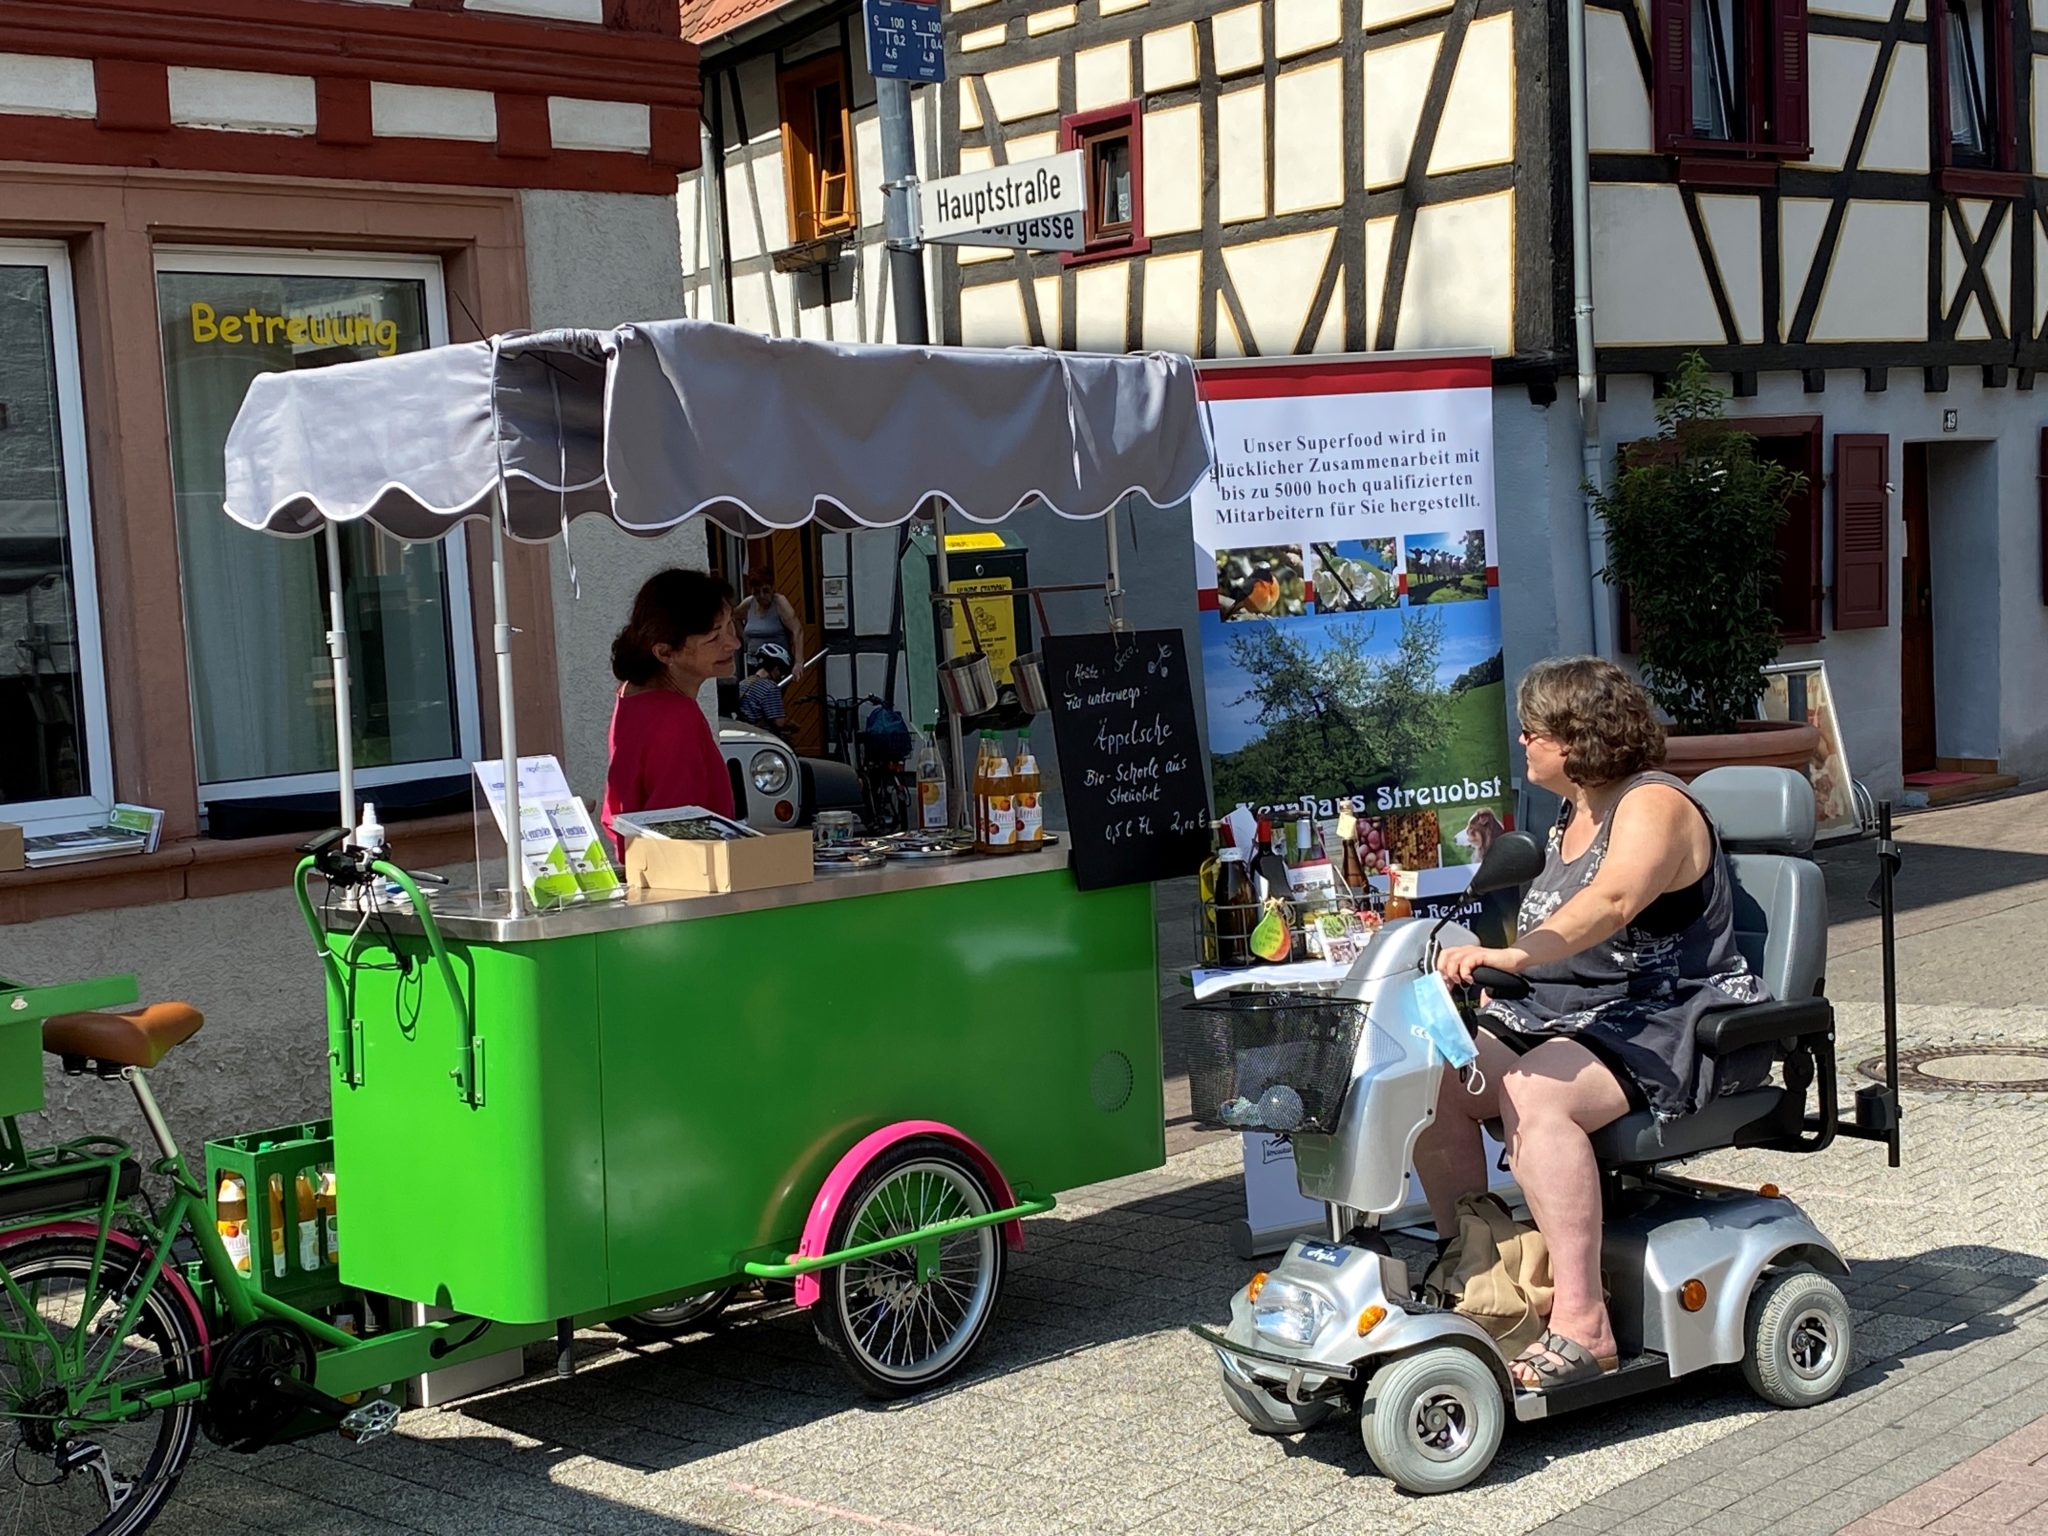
<point>1272,1061</point>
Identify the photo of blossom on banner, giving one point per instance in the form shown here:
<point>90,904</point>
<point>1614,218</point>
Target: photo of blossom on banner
<point>1356,574</point>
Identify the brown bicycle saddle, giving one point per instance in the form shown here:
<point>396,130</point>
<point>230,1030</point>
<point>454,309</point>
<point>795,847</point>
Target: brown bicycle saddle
<point>122,1039</point>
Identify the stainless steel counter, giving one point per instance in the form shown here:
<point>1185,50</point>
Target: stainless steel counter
<point>469,915</point>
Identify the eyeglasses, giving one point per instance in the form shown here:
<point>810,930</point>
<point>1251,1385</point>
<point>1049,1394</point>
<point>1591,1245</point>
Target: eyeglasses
<point>1526,736</point>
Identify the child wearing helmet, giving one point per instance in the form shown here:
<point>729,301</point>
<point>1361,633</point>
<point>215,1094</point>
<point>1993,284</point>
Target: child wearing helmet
<point>761,698</point>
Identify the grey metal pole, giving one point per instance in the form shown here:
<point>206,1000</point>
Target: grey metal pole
<point>1582,323</point>
<point>501,642</point>
<point>337,650</point>
<point>899,214</point>
<point>1114,592</point>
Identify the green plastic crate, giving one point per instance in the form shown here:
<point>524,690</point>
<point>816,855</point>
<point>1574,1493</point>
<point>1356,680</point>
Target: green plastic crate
<point>257,1158</point>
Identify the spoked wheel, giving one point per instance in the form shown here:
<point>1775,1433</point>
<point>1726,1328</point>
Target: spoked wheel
<point>1800,1339</point>
<point>894,1332</point>
<point>1432,1421</point>
<point>677,1320</point>
<point>88,1468</point>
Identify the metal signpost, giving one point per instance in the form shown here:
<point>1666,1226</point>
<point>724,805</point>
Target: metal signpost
<point>1033,206</point>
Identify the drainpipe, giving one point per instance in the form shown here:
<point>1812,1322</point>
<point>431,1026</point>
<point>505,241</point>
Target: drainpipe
<point>1592,465</point>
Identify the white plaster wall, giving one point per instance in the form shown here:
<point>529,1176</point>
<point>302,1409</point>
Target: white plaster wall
<point>599,260</point>
<point>1863,665</point>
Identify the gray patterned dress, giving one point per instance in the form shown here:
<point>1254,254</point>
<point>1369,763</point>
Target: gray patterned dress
<point>1636,999</point>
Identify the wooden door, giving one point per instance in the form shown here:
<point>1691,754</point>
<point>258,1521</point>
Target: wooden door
<point>792,556</point>
<point>1916,623</point>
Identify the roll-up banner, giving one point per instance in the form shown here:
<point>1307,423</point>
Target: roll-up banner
<point>1346,572</point>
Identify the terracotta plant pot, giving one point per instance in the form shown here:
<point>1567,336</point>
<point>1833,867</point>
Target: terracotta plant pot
<point>1771,743</point>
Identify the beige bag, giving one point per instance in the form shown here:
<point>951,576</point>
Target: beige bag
<point>1496,1272</point>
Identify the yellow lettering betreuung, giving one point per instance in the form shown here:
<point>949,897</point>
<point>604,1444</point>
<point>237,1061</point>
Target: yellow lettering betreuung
<point>203,328</point>
<point>260,329</point>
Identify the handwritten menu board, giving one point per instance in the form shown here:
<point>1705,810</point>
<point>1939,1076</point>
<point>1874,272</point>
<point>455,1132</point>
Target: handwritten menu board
<point>1123,714</point>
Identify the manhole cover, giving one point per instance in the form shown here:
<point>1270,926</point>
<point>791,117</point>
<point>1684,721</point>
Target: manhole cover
<point>1968,1069</point>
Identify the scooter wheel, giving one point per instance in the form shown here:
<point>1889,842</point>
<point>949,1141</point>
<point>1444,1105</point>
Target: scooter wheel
<point>1270,1415</point>
<point>1433,1421</point>
<point>1800,1338</point>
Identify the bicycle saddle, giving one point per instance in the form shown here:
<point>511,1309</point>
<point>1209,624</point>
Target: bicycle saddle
<point>122,1039</point>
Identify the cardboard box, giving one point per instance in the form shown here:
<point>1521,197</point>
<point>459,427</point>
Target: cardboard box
<point>709,868</point>
<point>11,854</point>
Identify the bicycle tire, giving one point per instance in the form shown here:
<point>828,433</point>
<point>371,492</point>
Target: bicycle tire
<point>151,1460</point>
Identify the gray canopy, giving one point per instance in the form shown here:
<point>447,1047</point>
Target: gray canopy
<point>655,423</point>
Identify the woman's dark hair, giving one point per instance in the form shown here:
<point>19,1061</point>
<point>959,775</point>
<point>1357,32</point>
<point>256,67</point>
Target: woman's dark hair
<point>672,606</point>
<point>1598,713</point>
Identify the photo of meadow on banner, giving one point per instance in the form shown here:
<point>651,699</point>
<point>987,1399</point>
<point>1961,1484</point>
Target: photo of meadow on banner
<point>1350,608</point>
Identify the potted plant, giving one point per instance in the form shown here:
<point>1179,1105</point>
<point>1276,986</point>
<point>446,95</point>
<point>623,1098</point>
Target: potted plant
<point>1692,519</point>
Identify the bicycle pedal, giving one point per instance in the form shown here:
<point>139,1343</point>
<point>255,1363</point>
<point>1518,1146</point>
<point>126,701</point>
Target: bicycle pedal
<point>372,1421</point>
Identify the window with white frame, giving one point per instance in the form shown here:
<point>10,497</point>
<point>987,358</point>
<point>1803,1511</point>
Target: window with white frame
<point>256,606</point>
<point>55,772</point>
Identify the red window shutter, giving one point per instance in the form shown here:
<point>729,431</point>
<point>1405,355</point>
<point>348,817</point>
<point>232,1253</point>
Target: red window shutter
<point>1862,531</point>
<point>1671,75</point>
<point>1788,74</point>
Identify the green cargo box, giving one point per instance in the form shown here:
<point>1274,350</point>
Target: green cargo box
<point>661,1100</point>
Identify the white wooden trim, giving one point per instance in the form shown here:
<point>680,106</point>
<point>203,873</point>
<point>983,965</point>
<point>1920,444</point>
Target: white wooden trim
<point>38,816</point>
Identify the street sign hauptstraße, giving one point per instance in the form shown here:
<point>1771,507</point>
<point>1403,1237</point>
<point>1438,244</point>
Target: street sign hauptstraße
<point>906,40</point>
<point>1032,205</point>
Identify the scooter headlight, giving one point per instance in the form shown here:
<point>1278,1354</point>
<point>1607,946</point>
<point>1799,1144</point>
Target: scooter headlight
<point>1290,1313</point>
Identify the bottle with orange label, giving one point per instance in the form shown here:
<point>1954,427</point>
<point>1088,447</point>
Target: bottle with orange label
<point>995,792</point>
<point>1025,781</point>
<point>231,1218</point>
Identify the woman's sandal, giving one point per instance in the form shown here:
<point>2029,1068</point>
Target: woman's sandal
<point>1577,1365</point>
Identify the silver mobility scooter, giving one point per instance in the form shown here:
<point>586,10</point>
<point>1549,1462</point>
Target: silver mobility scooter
<point>1698,1275</point>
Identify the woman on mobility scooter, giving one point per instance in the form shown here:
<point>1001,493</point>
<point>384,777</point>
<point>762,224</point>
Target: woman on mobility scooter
<point>1628,940</point>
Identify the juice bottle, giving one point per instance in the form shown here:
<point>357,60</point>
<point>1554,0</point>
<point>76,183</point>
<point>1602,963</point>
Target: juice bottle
<point>277,1225</point>
<point>325,1203</point>
<point>981,762</point>
<point>231,1217</point>
<point>1002,803</point>
<point>931,787</point>
<point>1024,784</point>
<point>1397,904</point>
<point>1236,909</point>
<point>309,1223</point>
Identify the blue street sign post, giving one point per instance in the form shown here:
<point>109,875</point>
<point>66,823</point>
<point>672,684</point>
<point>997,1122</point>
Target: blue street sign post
<point>906,40</point>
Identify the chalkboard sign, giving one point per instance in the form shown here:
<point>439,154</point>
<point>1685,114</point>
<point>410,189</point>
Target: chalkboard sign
<point>1123,715</point>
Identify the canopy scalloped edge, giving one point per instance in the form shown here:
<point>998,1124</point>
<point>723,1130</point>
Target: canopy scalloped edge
<point>750,432</point>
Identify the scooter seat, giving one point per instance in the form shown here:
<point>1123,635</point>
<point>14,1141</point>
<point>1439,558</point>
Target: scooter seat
<point>1754,1118</point>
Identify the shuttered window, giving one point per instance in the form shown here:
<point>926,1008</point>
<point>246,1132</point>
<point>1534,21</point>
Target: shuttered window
<point>1862,531</point>
<point>817,148</point>
<point>1730,77</point>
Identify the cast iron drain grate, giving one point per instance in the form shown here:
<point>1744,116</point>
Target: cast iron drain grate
<point>1968,1069</point>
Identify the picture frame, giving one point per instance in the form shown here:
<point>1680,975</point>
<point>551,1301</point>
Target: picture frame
<point>1799,690</point>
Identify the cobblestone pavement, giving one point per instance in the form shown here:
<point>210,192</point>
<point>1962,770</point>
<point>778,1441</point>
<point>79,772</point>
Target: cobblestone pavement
<point>1090,1409</point>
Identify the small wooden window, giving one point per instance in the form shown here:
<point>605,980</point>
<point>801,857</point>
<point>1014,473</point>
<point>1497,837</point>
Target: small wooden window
<point>1971,49</point>
<point>817,148</point>
<point>1113,150</point>
<point>1730,76</point>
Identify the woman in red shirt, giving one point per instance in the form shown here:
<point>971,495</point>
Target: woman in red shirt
<point>663,751</point>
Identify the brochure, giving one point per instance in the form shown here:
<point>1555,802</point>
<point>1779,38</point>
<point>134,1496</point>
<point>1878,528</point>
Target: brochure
<point>127,829</point>
<point>559,842</point>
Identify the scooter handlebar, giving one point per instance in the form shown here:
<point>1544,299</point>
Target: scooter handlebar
<point>1505,985</point>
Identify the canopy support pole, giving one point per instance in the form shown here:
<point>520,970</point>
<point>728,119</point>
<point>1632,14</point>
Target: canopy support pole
<point>337,650</point>
<point>501,642</point>
<point>1113,589</point>
<point>963,788</point>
